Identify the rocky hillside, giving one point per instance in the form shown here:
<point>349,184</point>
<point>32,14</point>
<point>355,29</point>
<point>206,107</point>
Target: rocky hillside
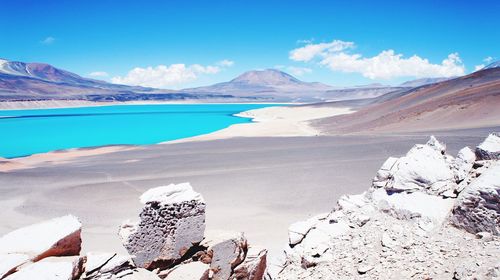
<point>427,215</point>
<point>466,102</point>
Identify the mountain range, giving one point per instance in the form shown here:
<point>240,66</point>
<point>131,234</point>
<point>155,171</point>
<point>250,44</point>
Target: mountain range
<point>21,81</point>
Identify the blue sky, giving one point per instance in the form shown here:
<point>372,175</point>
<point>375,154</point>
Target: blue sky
<point>114,37</point>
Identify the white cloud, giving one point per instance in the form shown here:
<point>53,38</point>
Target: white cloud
<point>163,76</point>
<point>479,67</point>
<point>309,51</point>
<point>306,41</point>
<point>98,74</point>
<point>385,65</point>
<point>488,59</point>
<point>226,63</point>
<point>48,40</point>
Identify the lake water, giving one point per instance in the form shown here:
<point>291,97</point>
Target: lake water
<point>26,132</point>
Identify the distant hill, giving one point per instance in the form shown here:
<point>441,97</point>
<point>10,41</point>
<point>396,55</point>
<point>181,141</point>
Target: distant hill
<point>267,84</point>
<point>424,81</point>
<point>465,102</point>
<point>21,81</point>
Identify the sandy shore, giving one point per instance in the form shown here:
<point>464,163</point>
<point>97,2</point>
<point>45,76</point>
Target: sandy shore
<point>273,122</point>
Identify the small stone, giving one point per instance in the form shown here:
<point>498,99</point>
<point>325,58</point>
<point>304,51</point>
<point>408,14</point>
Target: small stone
<point>362,220</point>
<point>362,269</point>
<point>485,236</point>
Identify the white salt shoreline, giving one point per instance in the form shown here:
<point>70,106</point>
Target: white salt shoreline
<point>282,121</point>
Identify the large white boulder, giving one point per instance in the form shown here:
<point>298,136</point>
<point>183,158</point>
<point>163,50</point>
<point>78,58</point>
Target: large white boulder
<point>424,168</point>
<point>478,206</point>
<point>171,222</point>
<point>56,237</point>
<point>490,148</point>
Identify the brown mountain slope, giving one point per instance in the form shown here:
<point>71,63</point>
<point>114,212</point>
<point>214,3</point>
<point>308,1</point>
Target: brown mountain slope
<point>465,102</point>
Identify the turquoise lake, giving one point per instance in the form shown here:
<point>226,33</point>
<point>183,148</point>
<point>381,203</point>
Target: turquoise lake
<point>26,132</point>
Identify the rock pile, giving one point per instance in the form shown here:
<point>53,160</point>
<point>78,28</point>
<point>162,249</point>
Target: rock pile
<point>427,215</point>
<point>168,242</point>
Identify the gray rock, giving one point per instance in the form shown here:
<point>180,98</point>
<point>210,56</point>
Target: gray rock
<point>254,266</point>
<point>227,250</point>
<point>477,208</point>
<point>171,222</point>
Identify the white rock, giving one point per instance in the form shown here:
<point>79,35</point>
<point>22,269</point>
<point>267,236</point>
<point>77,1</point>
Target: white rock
<point>490,148</point>
<point>172,221</point>
<point>189,271</point>
<point>317,241</point>
<point>436,145</point>
<point>108,266</point>
<point>478,206</point>
<point>46,271</point>
<point>94,261</point>
<point>141,274</point>
<point>56,237</point>
<point>387,241</point>
<point>352,202</point>
<point>228,250</point>
<point>171,194</point>
<point>361,220</point>
<point>423,168</point>
<point>297,231</point>
<point>416,204</point>
<point>384,174</point>
<point>9,263</point>
<point>463,163</point>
